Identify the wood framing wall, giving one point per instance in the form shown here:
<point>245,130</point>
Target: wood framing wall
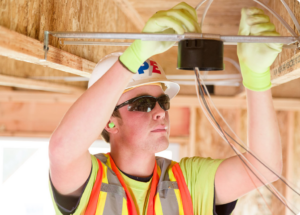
<point>36,114</point>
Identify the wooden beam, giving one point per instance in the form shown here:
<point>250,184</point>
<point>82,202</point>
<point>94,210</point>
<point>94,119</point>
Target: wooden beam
<point>178,101</point>
<point>192,139</point>
<point>287,71</point>
<point>21,47</point>
<point>131,13</point>
<point>38,85</point>
<point>289,165</point>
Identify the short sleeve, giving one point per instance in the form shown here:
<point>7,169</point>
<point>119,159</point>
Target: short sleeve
<point>199,174</point>
<point>84,200</point>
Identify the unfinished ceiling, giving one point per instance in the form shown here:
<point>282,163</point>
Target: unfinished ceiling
<point>32,18</point>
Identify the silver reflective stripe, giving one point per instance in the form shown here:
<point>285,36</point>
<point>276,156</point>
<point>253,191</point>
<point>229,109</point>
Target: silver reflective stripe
<point>116,194</point>
<point>166,188</point>
<point>164,165</point>
<point>101,157</point>
<point>111,188</point>
<point>169,202</point>
<point>114,199</point>
<point>165,185</point>
<point>111,176</point>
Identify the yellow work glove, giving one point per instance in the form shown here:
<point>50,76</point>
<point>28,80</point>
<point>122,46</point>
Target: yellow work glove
<point>181,18</point>
<point>256,58</point>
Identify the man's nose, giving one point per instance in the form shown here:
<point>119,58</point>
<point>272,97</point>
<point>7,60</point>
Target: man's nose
<point>158,112</point>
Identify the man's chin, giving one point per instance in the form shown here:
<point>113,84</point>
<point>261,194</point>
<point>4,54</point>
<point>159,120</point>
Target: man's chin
<point>161,144</point>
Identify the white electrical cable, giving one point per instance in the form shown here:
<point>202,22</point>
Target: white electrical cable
<point>295,21</point>
<point>233,62</point>
<point>279,195</point>
<point>285,24</point>
<point>199,5</point>
<point>204,13</point>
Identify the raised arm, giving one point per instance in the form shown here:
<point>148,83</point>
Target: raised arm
<point>232,177</point>
<point>80,127</point>
<point>70,162</point>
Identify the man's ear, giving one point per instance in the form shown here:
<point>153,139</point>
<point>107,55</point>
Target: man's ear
<point>111,127</point>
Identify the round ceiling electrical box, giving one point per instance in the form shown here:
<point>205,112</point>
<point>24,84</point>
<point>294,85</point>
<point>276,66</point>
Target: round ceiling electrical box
<point>202,53</point>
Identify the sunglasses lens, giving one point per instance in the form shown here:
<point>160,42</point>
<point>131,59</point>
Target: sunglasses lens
<point>145,104</point>
<point>164,102</point>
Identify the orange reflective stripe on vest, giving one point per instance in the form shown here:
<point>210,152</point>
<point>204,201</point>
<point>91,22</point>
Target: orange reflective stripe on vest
<point>92,205</point>
<point>184,191</point>
<point>167,181</point>
<point>130,203</point>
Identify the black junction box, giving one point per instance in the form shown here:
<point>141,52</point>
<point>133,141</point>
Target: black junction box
<point>205,54</point>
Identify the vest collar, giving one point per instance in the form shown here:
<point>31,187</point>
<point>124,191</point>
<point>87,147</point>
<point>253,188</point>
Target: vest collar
<point>130,203</point>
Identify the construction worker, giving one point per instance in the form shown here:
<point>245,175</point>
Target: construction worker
<point>128,101</point>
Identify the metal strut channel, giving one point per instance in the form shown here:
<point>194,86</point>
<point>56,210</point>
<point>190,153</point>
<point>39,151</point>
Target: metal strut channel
<point>227,39</point>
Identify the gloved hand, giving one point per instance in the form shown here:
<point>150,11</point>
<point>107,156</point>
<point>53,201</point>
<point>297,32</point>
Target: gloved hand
<point>181,18</point>
<point>256,58</point>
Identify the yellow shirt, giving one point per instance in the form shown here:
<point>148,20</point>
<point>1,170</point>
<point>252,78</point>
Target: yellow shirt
<point>139,192</point>
<point>199,174</point>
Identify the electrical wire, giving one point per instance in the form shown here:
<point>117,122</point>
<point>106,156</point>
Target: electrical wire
<point>208,112</point>
<point>199,5</point>
<point>205,12</point>
<point>295,21</point>
<point>285,24</point>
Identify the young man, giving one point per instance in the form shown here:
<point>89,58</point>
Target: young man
<point>129,104</point>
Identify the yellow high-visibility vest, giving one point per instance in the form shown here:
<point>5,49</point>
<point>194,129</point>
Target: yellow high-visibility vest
<point>169,193</point>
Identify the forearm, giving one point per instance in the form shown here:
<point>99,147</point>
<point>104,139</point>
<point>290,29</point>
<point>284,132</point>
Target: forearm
<point>87,117</point>
<point>263,132</point>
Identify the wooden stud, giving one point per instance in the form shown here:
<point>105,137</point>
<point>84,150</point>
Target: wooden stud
<point>289,154</point>
<point>178,101</point>
<point>21,47</point>
<point>192,139</point>
<point>38,85</point>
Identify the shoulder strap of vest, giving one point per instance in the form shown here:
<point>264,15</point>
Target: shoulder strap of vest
<point>92,205</point>
<point>130,203</point>
<point>184,191</point>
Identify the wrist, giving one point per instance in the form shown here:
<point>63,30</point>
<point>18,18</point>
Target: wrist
<point>255,81</point>
<point>131,59</point>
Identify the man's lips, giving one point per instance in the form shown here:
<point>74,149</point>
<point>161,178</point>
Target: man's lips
<point>160,129</point>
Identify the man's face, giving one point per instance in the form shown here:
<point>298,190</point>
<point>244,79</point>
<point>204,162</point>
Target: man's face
<point>141,130</point>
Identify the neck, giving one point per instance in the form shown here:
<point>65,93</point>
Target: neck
<point>134,163</point>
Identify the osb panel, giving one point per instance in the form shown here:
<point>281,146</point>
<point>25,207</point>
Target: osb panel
<point>33,17</point>
<point>208,141</point>
<point>222,17</point>
<point>280,9</point>
<point>286,90</point>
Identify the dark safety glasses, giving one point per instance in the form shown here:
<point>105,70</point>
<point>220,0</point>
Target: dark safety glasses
<point>146,103</point>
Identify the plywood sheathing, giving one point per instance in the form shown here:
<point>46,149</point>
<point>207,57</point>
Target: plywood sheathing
<point>288,89</point>
<point>33,17</point>
<point>222,17</point>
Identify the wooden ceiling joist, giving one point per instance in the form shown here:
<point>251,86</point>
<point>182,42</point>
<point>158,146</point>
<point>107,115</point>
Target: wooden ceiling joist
<point>20,47</point>
<point>287,71</point>
<point>38,85</point>
<point>178,101</point>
